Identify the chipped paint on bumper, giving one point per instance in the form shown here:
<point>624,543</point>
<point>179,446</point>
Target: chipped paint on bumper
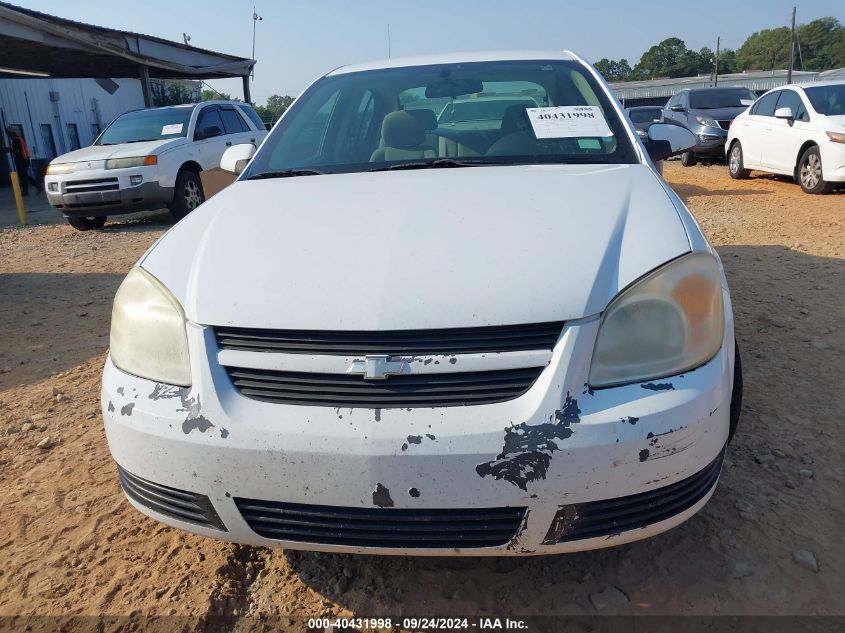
<point>211,440</point>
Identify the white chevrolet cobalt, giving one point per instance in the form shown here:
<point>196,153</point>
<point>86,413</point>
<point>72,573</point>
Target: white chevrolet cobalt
<point>796,131</point>
<point>394,336</point>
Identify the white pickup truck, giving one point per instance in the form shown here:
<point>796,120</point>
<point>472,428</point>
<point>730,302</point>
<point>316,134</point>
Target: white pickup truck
<point>149,159</point>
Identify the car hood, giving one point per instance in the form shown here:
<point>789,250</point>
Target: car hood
<point>415,249</point>
<point>122,150</point>
<point>720,114</point>
<point>836,118</point>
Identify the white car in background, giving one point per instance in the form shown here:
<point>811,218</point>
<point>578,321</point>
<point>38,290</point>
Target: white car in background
<point>149,159</point>
<point>796,131</point>
<point>364,345</point>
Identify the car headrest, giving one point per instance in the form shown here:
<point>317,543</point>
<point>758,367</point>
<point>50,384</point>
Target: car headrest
<point>426,117</point>
<point>515,119</point>
<point>401,129</point>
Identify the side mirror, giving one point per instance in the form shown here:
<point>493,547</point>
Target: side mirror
<point>209,132</point>
<point>666,140</point>
<point>678,108</point>
<point>784,113</point>
<point>236,158</point>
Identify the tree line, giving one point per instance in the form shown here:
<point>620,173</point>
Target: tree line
<point>820,46</point>
<point>166,93</point>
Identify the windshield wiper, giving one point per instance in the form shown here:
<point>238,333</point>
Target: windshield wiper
<point>139,140</point>
<point>440,163</point>
<point>285,173</point>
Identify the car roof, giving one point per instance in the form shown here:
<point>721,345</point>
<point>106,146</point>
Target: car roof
<point>718,88</point>
<point>819,84</point>
<point>455,58</point>
<point>646,107</point>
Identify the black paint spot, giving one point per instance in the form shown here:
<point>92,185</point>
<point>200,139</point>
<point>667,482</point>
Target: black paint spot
<point>166,392</point>
<point>631,420</point>
<point>120,391</point>
<point>453,360</point>
<point>378,415</point>
<point>659,386</point>
<point>588,389</point>
<point>111,407</point>
<point>430,436</point>
<point>199,422</point>
<point>127,409</point>
<point>405,446</point>
<point>427,361</point>
<point>414,492</point>
<point>224,433</point>
<point>415,439</point>
<point>228,495</point>
<point>528,449</point>
<point>381,497</point>
<point>643,454</point>
<point>650,435</point>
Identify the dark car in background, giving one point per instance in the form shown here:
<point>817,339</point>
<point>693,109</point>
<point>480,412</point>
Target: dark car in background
<point>707,113</point>
<point>643,116</point>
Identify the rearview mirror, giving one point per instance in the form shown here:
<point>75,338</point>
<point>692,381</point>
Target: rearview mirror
<point>448,87</point>
<point>666,140</point>
<point>784,113</point>
<point>236,158</point>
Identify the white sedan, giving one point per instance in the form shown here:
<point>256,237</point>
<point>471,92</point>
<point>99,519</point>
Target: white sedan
<point>390,337</point>
<point>796,131</point>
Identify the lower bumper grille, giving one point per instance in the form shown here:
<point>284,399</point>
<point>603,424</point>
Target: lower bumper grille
<point>380,527</point>
<point>613,516</point>
<point>415,390</point>
<point>99,184</point>
<point>171,502</point>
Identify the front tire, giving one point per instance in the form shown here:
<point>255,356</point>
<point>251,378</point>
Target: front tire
<point>688,159</point>
<point>810,172</point>
<point>736,164</point>
<point>85,224</point>
<point>187,195</point>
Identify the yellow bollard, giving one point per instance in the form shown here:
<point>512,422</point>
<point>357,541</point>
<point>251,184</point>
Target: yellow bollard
<point>16,189</point>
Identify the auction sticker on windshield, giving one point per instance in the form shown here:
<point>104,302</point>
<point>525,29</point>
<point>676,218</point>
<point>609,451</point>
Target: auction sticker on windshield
<point>568,122</point>
<point>173,128</point>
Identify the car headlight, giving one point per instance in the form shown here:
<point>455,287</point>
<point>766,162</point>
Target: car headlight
<point>836,137</point>
<point>148,336</point>
<point>56,169</point>
<point>134,161</point>
<point>706,121</point>
<point>670,321</point>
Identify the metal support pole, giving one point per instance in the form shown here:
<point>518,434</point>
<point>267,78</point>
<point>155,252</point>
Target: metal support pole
<point>13,174</point>
<point>247,96</point>
<point>145,87</point>
<point>716,69</point>
<point>791,48</point>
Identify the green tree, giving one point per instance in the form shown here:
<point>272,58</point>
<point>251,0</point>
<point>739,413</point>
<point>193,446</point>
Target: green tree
<point>211,95</point>
<point>669,58</point>
<point>165,93</point>
<point>613,70</point>
<point>822,45</point>
<point>274,108</point>
<point>765,50</point>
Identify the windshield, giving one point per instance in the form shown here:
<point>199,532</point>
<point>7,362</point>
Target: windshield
<point>517,112</point>
<point>829,100</point>
<point>721,98</point>
<point>147,125</point>
<point>645,116</point>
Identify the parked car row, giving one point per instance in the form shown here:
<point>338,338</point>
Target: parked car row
<point>796,131</point>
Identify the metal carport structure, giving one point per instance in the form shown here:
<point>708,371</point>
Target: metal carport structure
<point>37,44</point>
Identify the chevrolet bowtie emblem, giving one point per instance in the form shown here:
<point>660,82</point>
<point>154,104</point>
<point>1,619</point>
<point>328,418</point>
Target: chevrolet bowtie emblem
<point>377,367</point>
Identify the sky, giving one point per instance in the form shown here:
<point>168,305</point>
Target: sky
<point>297,41</point>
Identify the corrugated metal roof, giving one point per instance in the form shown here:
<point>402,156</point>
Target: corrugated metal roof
<point>757,81</point>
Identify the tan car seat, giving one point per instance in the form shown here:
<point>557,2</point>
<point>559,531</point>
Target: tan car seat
<point>404,138</point>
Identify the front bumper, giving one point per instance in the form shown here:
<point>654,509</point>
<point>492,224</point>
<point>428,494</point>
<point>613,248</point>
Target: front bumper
<point>104,192</point>
<point>710,142</point>
<point>212,441</point>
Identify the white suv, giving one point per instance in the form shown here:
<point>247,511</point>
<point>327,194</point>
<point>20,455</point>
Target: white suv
<point>149,159</point>
<point>797,131</point>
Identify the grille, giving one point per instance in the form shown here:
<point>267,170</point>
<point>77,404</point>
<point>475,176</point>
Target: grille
<point>414,390</point>
<point>499,338</point>
<point>99,184</point>
<point>725,124</point>
<point>612,516</point>
<point>381,527</point>
<point>171,502</point>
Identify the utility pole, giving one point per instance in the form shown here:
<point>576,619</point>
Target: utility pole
<point>388,41</point>
<point>791,48</point>
<point>716,66</point>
